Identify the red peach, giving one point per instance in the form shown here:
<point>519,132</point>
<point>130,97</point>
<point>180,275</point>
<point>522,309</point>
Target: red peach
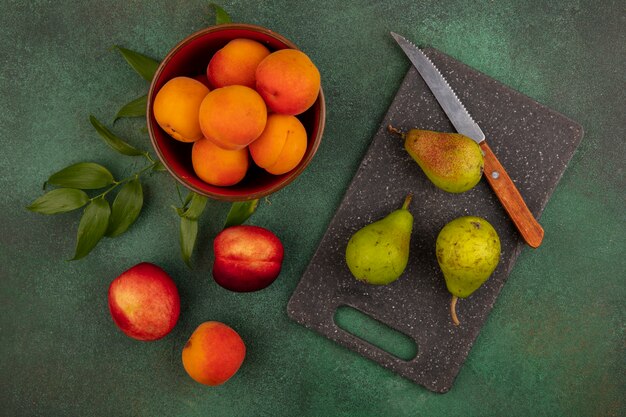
<point>247,258</point>
<point>144,302</point>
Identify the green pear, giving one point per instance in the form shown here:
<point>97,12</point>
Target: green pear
<point>453,162</point>
<point>468,251</point>
<point>378,253</point>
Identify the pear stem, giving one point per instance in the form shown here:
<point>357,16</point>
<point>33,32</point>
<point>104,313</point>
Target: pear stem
<point>407,201</point>
<point>395,131</point>
<point>455,319</point>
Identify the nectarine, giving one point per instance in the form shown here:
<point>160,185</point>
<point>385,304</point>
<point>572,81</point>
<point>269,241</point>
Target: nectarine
<point>144,302</point>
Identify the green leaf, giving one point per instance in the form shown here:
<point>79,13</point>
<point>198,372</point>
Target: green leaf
<point>83,175</point>
<point>220,15</point>
<point>158,166</point>
<point>126,208</point>
<point>179,211</point>
<point>196,206</point>
<point>187,199</point>
<point>240,212</point>
<point>144,65</point>
<point>92,226</point>
<point>188,233</point>
<point>58,201</point>
<point>115,142</point>
<point>135,108</point>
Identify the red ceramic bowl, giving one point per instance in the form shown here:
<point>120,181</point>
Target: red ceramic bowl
<point>190,58</point>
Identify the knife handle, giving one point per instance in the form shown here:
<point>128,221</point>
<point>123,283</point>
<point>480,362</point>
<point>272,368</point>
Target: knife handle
<point>511,199</point>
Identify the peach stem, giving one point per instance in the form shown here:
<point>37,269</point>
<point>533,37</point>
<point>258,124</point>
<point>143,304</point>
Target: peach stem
<point>455,319</point>
<point>395,131</point>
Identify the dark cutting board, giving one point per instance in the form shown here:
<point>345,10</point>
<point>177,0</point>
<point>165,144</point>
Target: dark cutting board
<point>533,143</point>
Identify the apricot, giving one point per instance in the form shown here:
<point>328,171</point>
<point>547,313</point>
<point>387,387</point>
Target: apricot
<point>233,116</point>
<point>288,81</point>
<point>213,354</point>
<point>218,166</point>
<point>235,63</point>
<point>281,146</point>
<point>176,108</point>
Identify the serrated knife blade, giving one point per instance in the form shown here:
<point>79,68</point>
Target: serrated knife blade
<point>497,177</point>
<point>447,98</point>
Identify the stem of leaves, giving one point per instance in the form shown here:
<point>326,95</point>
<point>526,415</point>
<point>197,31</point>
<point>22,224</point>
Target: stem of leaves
<point>99,218</point>
<point>125,180</point>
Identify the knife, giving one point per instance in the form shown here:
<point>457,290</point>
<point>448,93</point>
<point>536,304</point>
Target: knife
<point>498,179</point>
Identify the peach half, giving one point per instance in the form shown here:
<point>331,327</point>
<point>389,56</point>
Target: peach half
<point>247,258</point>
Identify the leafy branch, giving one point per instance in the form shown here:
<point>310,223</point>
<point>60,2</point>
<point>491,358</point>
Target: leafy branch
<point>100,218</point>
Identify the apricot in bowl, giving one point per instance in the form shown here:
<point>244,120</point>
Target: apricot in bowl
<point>192,58</point>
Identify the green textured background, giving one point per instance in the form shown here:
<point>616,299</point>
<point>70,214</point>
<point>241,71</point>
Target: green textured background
<point>554,343</point>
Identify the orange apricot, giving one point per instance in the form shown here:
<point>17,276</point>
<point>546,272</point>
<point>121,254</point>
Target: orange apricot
<point>218,166</point>
<point>288,81</point>
<point>176,108</point>
<point>281,146</point>
<point>233,116</point>
<point>235,63</point>
<point>213,354</point>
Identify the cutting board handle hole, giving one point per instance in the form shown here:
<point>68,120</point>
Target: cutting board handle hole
<point>375,332</point>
